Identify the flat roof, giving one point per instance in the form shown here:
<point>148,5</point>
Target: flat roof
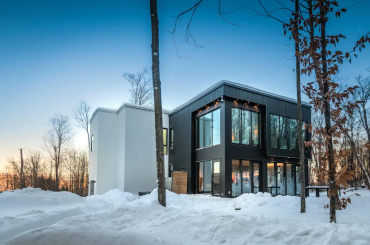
<point>124,105</point>
<point>239,86</point>
<point>200,95</point>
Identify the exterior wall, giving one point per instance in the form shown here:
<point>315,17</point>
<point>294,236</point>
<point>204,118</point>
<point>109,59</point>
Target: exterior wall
<point>93,155</point>
<point>182,120</point>
<point>140,157</point>
<point>124,154</point>
<point>106,144</point>
<point>121,149</point>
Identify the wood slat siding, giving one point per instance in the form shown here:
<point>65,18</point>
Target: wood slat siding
<point>179,182</point>
<point>184,155</point>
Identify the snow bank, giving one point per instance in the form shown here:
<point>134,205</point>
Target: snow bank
<point>200,219</point>
<point>31,208</point>
<point>114,197</point>
<point>26,200</point>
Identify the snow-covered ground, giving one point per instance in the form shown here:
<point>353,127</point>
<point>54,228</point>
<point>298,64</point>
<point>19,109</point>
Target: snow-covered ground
<point>32,216</point>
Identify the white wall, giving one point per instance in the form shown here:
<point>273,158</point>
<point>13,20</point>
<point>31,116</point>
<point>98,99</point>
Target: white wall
<point>106,145</point>
<point>124,149</point>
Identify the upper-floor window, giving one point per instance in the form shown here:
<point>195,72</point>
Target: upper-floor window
<point>171,137</point>
<point>91,143</point>
<point>165,141</point>
<point>208,129</point>
<point>284,132</point>
<point>245,127</point>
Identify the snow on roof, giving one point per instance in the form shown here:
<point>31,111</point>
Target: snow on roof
<point>128,105</point>
<point>200,95</point>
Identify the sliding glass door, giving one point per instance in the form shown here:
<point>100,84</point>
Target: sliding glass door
<point>216,178</point>
<point>209,177</point>
<point>245,177</point>
<point>290,179</point>
<point>282,179</point>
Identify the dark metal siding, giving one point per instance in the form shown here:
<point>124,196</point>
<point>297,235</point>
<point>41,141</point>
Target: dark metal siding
<point>184,155</point>
<point>183,122</point>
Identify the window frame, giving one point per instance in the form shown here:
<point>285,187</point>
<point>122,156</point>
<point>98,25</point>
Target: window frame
<point>171,137</point>
<point>197,128</point>
<point>91,143</point>
<point>287,127</point>
<point>165,144</point>
<point>251,141</point>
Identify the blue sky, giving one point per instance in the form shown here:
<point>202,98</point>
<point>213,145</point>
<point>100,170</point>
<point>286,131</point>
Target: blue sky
<point>54,53</point>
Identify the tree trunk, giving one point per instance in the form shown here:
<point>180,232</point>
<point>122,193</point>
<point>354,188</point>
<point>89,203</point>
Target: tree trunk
<point>332,183</point>
<point>157,104</point>
<point>299,111</point>
<point>21,172</point>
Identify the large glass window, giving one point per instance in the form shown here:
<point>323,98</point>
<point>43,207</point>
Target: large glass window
<point>172,131</point>
<point>255,129</point>
<point>235,125</point>
<point>216,127</point>
<point>208,129</point>
<point>256,177</point>
<point>200,177</point>
<point>293,134</point>
<point>91,142</point>
<point>165,141</point>
<point>274,126</point>
<point>290,179</point>
<point>284,132</point>
<point>246,176</point>
<point>271,178</point>
<point>208,176</point>
<point>236,178</point>
<point>281,181</point>
<point>200,132</point>
<point>245,127</point>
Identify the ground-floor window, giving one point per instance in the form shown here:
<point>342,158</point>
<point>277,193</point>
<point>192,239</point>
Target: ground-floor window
<point>282,179</point>
<point>209,177</point>
<point>245,176</point>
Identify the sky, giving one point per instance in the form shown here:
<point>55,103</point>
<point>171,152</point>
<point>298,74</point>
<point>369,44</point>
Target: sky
<point>53,53</point>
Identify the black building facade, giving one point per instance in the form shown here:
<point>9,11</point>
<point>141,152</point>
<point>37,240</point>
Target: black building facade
<point>234,139</point>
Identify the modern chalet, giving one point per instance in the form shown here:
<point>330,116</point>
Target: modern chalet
<point>231,139</point>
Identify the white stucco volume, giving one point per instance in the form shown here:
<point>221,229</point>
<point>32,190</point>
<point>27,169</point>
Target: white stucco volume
<point>123,149</point>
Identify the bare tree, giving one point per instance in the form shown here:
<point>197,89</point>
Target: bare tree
<point>15,167</point>
<point>141,89</point>
<point>35,162</point>
<point>57,139</point>
<point>157,104</point>
<point>82,115</point>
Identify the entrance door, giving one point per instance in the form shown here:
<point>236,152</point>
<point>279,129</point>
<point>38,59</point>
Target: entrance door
<point>209,177</point>
<point>216,179</point>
